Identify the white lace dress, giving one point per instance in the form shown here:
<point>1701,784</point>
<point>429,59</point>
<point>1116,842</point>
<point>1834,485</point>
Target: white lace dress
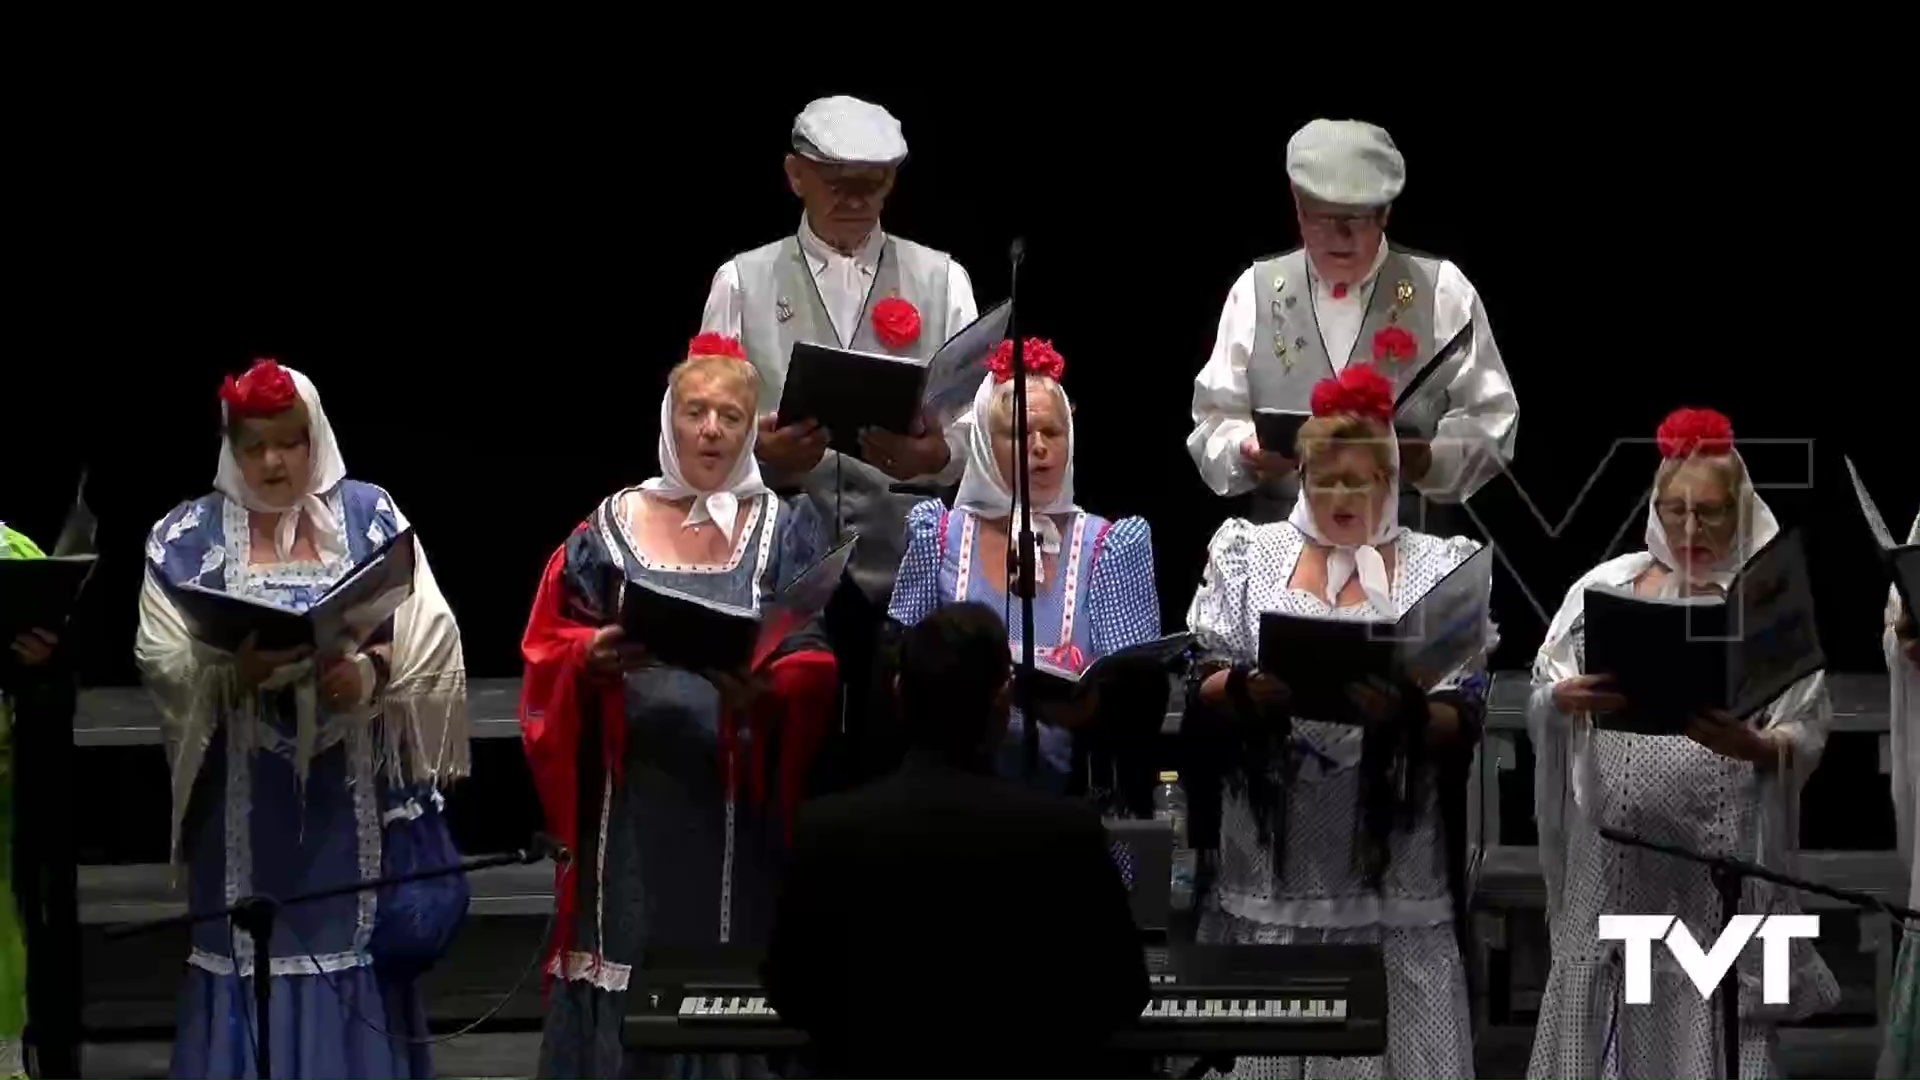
<point>1320,894</point>
<point>1670,789</point>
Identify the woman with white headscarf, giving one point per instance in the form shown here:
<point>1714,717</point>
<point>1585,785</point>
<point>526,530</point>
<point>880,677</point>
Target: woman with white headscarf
<point>1725,787</point>
<point>656,776</point>
<point>296,771</point>
<point>1093,590</point>
<point>1331,831</point>
<point>1900,1056</point>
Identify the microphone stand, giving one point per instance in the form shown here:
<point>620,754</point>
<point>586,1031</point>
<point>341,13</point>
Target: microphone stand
<point>1021,558</point>
<point>255,916</point>
<point>1728,874</point>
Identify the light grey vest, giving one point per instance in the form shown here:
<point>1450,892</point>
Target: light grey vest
<point>782,306</point>
<point>1289,354</point>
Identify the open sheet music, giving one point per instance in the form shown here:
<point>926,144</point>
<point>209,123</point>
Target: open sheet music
<point>1319,657</point>
<point>682,630</point>
<point>1423,402</point>
<point>343,618</point>
<point>1672,657</point>
<point>39,594</point>
<point>1162,654</point>
<point>1902,560</point>
<point>954,373</point>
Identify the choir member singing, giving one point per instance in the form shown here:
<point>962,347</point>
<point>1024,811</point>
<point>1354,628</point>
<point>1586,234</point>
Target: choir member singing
<point>1093,586</point>
<point>842,280</point>
<point>1901,1054</point>
<point>31,651</point>
<point>655,775</point>
<point>1346,296</point>
<point>290,768</point>
<point>1334,831</point>
<point>1724,788</point>
<point>1015,953</point>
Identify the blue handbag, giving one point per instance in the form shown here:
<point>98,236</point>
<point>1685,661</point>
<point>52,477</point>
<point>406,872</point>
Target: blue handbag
<point>415,922</point>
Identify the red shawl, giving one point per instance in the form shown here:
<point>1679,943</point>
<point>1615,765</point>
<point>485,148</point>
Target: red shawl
<point>555,695</point>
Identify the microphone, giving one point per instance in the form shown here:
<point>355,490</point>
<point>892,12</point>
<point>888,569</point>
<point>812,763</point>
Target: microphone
<point>1018,251</point>
<point>546,847</point>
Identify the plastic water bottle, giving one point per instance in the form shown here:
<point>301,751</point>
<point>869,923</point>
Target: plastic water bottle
<point>1170,805</point>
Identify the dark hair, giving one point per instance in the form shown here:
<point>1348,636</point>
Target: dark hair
<point>953,664</point>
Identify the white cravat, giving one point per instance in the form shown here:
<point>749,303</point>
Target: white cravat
<point>844,280</point>
<point>1340,318</point>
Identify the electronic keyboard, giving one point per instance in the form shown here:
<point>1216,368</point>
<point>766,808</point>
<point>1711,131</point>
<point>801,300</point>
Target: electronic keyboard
<point>1283,1000</point>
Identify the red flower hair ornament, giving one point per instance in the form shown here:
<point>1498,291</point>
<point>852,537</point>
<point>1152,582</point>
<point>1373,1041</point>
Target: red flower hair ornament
<point>266,389</point>
<point>712,344</point>
<point>1038,356</point>
<point>896,322</point>
<point>1359,390</point>
<point>1695,431</point>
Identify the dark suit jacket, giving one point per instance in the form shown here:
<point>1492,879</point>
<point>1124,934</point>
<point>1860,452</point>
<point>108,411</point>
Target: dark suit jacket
<point>940,922</point>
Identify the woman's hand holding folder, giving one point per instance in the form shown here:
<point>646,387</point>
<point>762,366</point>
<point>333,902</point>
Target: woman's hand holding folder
<point>1727,735</point>
<point>35,647</point>
<point>1587,694</point>
<point>610,655</point>
<point>256,665</point>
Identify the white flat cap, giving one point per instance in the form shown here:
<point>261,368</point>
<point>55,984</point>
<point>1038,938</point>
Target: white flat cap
<point>1348,162</point>
<point>848,131</point>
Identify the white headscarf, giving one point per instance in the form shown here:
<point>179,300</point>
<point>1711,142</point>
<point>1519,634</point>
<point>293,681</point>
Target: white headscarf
<point>1346,560</point>
<point>1757,527</point>
<point>720,505</point>
<point>325,471</point>
<point>985,493</point>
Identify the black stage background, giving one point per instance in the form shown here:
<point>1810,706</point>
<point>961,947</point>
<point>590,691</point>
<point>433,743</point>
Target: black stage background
<point>487,273</point>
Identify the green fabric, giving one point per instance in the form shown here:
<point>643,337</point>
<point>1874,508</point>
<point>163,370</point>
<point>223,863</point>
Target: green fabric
<point>1900,1053</point>
<point>13,946</point>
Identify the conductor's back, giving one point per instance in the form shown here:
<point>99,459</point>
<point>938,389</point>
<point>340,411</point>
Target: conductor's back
<point>942,922</point>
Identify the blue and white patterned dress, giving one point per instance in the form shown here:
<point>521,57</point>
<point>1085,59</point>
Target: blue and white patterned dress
<point>1100,600</point>
<point>251,827</point>
<point>1319,893</point>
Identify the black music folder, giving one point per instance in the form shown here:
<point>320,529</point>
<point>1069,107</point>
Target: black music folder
<point>39,594</point>
<point>682,630</point>
<point>846,391</point>
<point>1902,561</point>
<point>1279,430</point>
<point>1319,657</point>
<point>1672,657</point>
<point>346,615</point>
<point>1052,683</point>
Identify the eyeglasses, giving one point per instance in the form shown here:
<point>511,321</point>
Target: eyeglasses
<point>1675,512</point>
<point>1339,222</point>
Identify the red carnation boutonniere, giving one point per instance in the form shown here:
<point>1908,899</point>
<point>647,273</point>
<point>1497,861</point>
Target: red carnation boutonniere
<point>1394,345</point>
<point>896,322</point>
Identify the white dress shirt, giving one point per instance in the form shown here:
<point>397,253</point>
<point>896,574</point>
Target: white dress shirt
<point>1482,410</point>
<point>844,282</point>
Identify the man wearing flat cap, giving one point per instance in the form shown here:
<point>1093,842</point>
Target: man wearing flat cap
<point>1347,296</point>
<point>840,280</point>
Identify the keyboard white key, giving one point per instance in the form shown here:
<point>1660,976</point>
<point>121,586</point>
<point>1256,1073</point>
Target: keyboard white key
<point>1245,1010</point>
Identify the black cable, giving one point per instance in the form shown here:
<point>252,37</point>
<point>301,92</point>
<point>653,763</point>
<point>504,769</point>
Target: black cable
<point>246,1014</point>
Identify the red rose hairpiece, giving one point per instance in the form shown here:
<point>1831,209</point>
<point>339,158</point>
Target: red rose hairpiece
<point>1038,356</point>
<point>264,390</point>
<point>1359,390</point>
<point>712,344</point>
<point>1689,431</point>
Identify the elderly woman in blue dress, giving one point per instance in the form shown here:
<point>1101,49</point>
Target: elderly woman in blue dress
<point>1332,831</point>
<point>289,768</point>
<point>1094,591</point>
